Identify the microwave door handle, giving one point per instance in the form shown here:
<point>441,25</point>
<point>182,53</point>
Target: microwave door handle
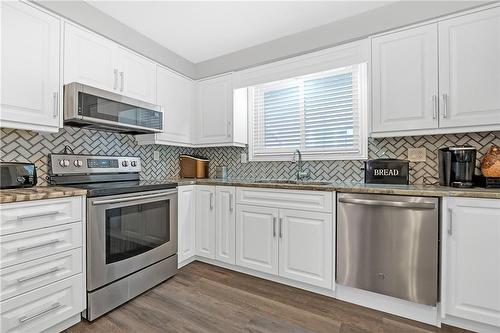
<point>128,199</point>
<point>399,204</point>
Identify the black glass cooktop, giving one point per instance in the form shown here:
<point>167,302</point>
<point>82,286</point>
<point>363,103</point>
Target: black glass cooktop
<point>123,187</point>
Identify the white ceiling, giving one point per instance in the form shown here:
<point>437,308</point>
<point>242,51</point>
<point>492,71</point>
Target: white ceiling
<point>202,30</point>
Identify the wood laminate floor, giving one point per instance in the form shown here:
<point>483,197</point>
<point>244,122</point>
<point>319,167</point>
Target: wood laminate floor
<point>206,298</point>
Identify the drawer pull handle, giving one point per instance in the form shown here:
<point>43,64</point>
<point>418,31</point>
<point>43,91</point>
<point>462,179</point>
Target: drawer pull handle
<point>28,216</point>
<point>25,319</point>
<point>34,276</point>
<point>26,248</point>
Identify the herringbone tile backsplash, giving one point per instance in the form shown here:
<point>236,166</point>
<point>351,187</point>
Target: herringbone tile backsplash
<point>23,146</point>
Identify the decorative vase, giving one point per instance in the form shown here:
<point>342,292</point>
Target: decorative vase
<point>490,163</point>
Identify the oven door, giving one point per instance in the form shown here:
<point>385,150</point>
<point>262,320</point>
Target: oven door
<point>126,233</point>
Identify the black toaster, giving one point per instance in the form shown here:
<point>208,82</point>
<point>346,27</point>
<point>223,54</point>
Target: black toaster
<point>17,174</point>
<point>387,171</point>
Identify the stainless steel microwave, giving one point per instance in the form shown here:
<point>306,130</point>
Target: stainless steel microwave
<point>93,108</point>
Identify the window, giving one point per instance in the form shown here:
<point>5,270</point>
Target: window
<point>322,114</point>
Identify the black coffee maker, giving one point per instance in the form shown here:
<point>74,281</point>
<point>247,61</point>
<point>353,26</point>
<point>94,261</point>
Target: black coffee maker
<point>456,166</point>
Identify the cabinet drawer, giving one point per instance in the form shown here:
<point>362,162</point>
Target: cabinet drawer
<point>294,199</point>
<point>19,279</point>
<point>44,307</point>
<point>30,245</point>
<point>29,215</point>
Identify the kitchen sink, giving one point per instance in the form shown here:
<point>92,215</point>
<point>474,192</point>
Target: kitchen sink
<point>291,182</point>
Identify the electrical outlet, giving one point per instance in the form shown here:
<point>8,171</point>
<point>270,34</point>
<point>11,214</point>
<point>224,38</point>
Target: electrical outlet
<point>243,158</point>
<point>417,154</point>
<point>156,155</point>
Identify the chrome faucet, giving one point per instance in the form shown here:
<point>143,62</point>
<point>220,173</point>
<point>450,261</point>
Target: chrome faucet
<point>301,175</point>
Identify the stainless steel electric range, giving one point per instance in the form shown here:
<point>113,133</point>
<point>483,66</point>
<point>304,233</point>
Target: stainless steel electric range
<point>131,227</point>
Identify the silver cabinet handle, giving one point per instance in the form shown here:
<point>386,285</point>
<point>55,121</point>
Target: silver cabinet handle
<point>230,202</point>
<point>211,201</point>
<point>229,129</point>
<point>28,216</point>
<point>122,79</point>
<point>31,247</point>
<point>34,276</point>
<point>55,110</point>
<point>399,204</point>
<point>281,227</point>
<point>450,222</point>
<point>25,319</point>
<point>127,199</point>
<point>445,105</point>
<point>434,106</point>
<point>115,81</point>
<point>274,227</point>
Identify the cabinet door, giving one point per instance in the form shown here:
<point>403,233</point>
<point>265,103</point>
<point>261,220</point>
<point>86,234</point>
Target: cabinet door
<point>215,107</point>
<point>469,69</point>
<point>205,221</point>
<point>305,247</point>
<point>30,68</point>
<point>137,76</point>
<point>257,238</point>
<point>176,94</point>
<point>186,219</point>
<point>471,276</point>
<point>89,59</point>
<point>405,80</point>
<point>225,224</point>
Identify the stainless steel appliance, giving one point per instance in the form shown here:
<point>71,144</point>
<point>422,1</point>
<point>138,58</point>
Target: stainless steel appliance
<point>89,107</point>
<point>456,166</point>
<point>17,174</point>
<point>131,227</point>
<point>388,244</point>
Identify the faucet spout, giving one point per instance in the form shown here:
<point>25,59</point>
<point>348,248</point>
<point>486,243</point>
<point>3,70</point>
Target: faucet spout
<point>301,175</point>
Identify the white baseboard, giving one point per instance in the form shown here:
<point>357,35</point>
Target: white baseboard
<point>470,325</point>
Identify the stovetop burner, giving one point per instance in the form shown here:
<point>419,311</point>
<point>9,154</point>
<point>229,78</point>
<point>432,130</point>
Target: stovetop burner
<point>113,188</point>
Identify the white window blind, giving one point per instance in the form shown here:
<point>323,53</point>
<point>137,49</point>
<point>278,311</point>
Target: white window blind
<point>321,114</point>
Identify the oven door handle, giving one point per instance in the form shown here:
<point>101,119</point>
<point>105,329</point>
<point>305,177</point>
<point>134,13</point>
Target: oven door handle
<point>127,199</point>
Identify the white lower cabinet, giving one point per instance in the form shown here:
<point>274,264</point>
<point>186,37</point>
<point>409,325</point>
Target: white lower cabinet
<point>471,260</point>
<point>186,222</point>
<point>205,221</point>
<point>257,238</point>
<point>42,260</point>
<point>225,224</point>
<point>305,247</point>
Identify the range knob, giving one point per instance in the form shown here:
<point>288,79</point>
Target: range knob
<point>64,163</point>
<point>133,163</point>
<point>124,163</point>
<point>78,163</point>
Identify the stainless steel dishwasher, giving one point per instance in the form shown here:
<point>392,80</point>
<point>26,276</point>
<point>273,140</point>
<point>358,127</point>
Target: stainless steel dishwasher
<point>389,244</point>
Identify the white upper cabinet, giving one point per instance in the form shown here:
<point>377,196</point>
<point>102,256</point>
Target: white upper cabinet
<point>221,114</point>
<point>30,67</point>
<point>405,80</point>
<point>471,260</point>
<point>215,108</point>
<point>137,76</point>
<point>89,59</point>
<point>439,78</point>
<point>99,62</point>
<point>469,69</point>
<point>175,93</point>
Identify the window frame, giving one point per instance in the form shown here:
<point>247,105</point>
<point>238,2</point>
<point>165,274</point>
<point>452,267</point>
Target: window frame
<point>286,154</point>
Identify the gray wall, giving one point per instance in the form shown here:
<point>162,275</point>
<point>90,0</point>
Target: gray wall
<point>375,21</point>
<point>99,22</point>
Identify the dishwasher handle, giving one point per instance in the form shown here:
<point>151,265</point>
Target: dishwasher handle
<point>398,204</point>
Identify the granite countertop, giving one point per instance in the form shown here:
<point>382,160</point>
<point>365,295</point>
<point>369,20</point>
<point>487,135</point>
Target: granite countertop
<point>38,193</point>
<point>353,187</point>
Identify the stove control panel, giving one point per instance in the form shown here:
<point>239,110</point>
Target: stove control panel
<point>63,164</point>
